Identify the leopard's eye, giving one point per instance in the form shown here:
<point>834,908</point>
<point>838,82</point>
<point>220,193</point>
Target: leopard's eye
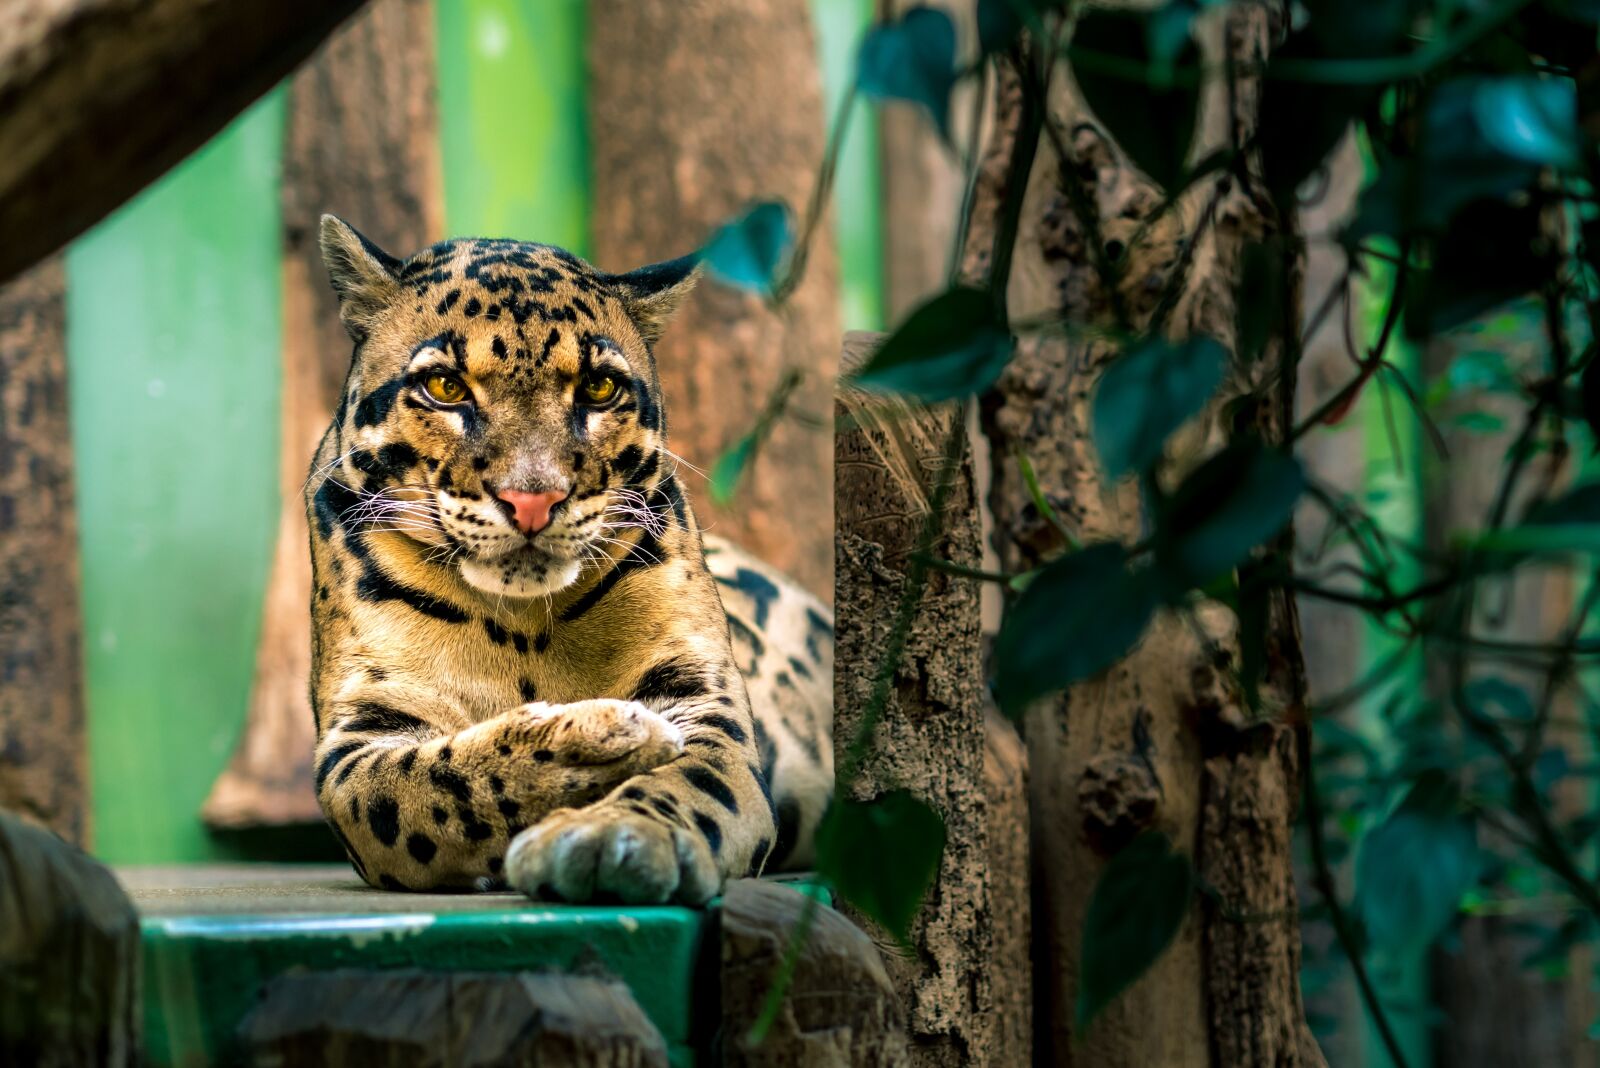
<point>598,388</point>
<point>446,389</point>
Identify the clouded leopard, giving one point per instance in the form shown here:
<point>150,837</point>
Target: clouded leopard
<point>527,666</point>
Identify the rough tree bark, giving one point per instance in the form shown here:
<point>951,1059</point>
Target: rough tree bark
<point>99,97</point>
<point>1159,740</point>
<point>697,109</point>
<point>43,755</point>
<point>930,739</point>
<point>360,143</point>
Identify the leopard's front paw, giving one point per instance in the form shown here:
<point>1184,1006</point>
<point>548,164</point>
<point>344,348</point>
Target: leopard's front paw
<point>624,736</point>
<point>607,852</point>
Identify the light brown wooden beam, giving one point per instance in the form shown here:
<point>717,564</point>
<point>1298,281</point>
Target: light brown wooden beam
<point>99,97</point>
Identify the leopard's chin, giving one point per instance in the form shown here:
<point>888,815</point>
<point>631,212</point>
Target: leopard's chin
<point>523,573</point>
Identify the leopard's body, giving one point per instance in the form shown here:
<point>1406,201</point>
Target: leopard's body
<point>527,667</point>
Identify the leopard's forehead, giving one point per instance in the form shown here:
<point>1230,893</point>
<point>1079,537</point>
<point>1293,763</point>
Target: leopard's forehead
<point>519,277</point>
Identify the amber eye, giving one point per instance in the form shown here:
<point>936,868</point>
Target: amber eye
<point>598,388</point>
<point>446,389</point>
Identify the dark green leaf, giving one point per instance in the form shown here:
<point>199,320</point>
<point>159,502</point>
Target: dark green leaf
<point>1569,523</point>
<point>729,468</point>
<point>747,252</point>
<point>1259,311</point>
<point>1229,505</point>
<point>1148,103</point>
<point>950,347</point>
<point>1080,614</point>
<point>1137,908</point>
<point>1492,253</point>
<point>1494,696</point>
<point>1149,392</point>
<point>882,855</point>
<point>1413,868</point>
<point>1000,21</point>
<point>912,59</point>
<point>1528,118</point>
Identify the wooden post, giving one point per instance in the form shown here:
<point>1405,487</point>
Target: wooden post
<point>841,1008</point>
<point>69,956</point>
<point>97,99</point>
<point>695,111</point>
<point>360,143</point>
<point>413,1017</point>
<point>43,769</point>
<point>931,738</point>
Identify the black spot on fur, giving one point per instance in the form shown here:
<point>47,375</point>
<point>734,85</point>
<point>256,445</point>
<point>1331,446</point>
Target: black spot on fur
<point>725,724</point>
<point>528,690</point>
<point>383,816</point>
<point>389,882</point>
<point>706,781</point>
<point>440,816</point>
<point>673,680</point>
<point>788,831</point>
<point>473,828</point>
<point>509,808</point>
<point>755,586</point>
<point>543,756</point>
<point>633,793</point>
<point>711,830</point>
<point>421,847</point>
<point>452,782</point>
<point>408,758</point>
<point>520,642</point>
<point>495,864</point>
<point>448,302</point>
<point>331,759</point>
<point>496,632</point>
<point>373,718</point>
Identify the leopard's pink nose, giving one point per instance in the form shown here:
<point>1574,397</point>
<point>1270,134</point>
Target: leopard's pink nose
<point>530,511</point>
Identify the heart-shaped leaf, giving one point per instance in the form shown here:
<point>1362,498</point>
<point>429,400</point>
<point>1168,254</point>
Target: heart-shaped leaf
<point>911,59</point>
<point>950,347</point>
<point>747,252</point>
<point>882,855</point>
<point>1149,392</point>
<point>1137,908</point>
<point>1077,616</point>
<point>1226,507</point>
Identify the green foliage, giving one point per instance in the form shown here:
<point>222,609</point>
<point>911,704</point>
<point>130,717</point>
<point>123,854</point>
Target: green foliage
<point>1077,616</point>
<point>729,468</point>
<point>1148,393</point>
<point>952,346</point>
<point>881,856</point>
<point>1415,867</point>
<point>1230,504</point>
<point>1138,906</point>
<point>1139,73</point>
<point>914,60</point>
<point>748,252</point>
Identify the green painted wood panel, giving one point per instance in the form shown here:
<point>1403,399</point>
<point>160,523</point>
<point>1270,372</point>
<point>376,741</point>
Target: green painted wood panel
<point>173,312</point>
<point>512,128</point>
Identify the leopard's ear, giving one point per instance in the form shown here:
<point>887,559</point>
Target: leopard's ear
<point>652,294</point>
<point>366,278</point>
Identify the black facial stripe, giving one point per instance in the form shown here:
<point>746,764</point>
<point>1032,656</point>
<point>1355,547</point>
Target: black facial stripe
<point>374,408</point>
<point>334,499</point>
<point>645,553</point>
<point>376,586</point>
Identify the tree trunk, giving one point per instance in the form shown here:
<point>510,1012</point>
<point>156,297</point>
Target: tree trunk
<point>44,766</point>
<point>697,109</point>
<point>930,738</point>
<point>1160,740</point>
<point>360,143</point>
<point>99,97</point>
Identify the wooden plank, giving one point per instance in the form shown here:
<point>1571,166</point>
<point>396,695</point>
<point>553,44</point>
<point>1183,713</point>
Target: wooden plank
<point>44,769</point>
<point>360,141</point>
<point>99,97</point>
<point>69,956</point>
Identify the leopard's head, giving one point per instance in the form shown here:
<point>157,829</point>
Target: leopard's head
<point>502,406</point>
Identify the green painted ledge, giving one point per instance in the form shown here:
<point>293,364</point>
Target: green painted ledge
<point>214,935</point>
